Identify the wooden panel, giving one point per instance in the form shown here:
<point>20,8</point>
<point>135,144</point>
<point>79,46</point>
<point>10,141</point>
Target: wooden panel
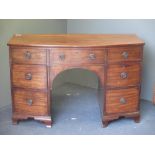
<point>128,53</point>
<point>114,97</point>
<point>22,102</point>
<point>28,55</point>
<point>115,75</point>
<point>74,40</point>
<point>76,56</point>
<point>97,69</point>
<point>21,74</point>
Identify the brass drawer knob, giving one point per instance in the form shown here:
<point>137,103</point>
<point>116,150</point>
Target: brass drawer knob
<point>92,56</point>
<point>62,56</point>
<point>28,76</point>
<point>123,100</point>
<point>124,75</point>
<point>29,102</point>
<point>125,55</point>
<point>27,55</point>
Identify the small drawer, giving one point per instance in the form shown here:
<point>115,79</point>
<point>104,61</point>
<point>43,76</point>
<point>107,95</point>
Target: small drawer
<point>29,76</point>
<point>77,56</point>
<point>28,55</point>
<point>116,54</point>
<point>123,100</point>
<point>29,102</point>
<point>125,74</point>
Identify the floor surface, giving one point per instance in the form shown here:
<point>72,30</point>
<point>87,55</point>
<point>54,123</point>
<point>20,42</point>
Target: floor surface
<point>76,111</point>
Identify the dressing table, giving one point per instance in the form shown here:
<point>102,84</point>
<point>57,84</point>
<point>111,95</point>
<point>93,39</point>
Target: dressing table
<point>36,59</point>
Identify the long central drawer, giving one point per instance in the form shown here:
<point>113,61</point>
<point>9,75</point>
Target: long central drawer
<point>77,56</point>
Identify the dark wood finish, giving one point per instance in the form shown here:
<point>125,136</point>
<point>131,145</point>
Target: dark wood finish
<point>115,76</point>
<point>36,60</point>
<point>137,119</point>
<point>49,104</point>
<point>37,106</point>
<point>29,56</point>
<point>116,54</point>
<point>77,56</point>
<point>19,117</point>
<point>113,100</point>
<point>38,76</point>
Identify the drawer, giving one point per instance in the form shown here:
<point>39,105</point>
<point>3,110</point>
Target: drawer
<point>80,56</point>
<point>130,53</point>
<point>29,76</point>
<point>125,74</point>
<point>30,102</point>
<point>28,55</point>
<point>122,100</point>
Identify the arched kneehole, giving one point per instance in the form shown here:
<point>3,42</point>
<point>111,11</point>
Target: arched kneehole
<point>74,96</point>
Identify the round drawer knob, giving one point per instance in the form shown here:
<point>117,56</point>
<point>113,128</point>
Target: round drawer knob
<point>92,56</point>
<point>29,102</point>
<point>62,56</point>
<point>28,76</point>
<point>27,55</point>
<point>124,75</point>
<point>123,100</point>
<point>125,55</point>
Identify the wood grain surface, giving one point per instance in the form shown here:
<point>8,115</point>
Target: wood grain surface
<point>74,40</point>
<point>39,76</point>
<point>39,102</point>
<point>116,54</point>
<point>77,56</point>
<point>29,55</point>
<point>113,105</point>
<point>132,70</point>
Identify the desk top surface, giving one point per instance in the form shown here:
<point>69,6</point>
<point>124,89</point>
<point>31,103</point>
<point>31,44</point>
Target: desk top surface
<point>74,40</point>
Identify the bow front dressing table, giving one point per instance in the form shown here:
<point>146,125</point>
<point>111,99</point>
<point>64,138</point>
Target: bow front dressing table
<point>35,60</point>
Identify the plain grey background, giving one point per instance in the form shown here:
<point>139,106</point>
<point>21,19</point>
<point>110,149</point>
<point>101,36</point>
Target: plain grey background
<point>143,28</point>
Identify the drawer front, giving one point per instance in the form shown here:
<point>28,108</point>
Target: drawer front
<point>28,76</point>
<point>28,56</point>
<point>30,103</point>
<point>123,100</point>
<point>77,56</point>
<point>116,54</point>
<point>126,74</point>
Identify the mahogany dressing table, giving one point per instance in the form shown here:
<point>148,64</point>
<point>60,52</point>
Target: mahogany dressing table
<point>35,60</point>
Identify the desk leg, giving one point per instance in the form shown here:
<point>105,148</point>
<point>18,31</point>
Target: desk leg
<point>105,123</point>
<point>14,121</point>
<point>137,119</point>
